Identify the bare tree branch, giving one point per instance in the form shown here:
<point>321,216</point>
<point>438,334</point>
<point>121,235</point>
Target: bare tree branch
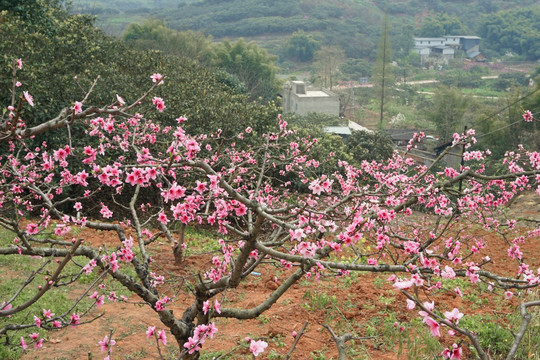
<point>526,319</point>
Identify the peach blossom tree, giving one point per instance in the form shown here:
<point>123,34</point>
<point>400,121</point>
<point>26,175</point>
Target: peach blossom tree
<point>398,217</point>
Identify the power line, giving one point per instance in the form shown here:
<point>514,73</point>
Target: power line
<point>503,109</point>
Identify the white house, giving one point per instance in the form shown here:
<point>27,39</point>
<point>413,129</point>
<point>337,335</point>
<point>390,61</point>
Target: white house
<point>442,49</point>
<point>299,99</point>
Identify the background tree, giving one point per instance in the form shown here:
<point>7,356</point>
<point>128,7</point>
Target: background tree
<point>301,46</point>
<point>460,78</point>
<point>369,146</point>
<point>441,24</point>
<point>383,75</point>
<point>252,65</point>
<point>262,222</point>
<point>66,47</point>
<point>155,34</point>
<point>327,62</point>
<point>431,28</point>
<point>448,110</point>
<point>353,69</point>
<point>514,31</point>
<point>402,35</point>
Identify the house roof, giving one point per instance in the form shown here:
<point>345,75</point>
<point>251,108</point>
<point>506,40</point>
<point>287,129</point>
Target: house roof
<point>357,127</point>
<point>314,93</point>
<point>338,130</point>
<point>473,54</point>
<point>462,36</point>
<point>429,39</point>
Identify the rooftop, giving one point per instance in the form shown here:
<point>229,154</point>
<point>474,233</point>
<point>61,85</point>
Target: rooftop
<point>314,93</point>
<point>338,130</point>
<point>429,39</point>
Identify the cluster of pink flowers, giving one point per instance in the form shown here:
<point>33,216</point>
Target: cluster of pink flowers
<point>206,307</point>
<point>161,335</point>
<point>105,212</point>
<point>38,343</point>
<point>160,304</point>
<point>200,334</point>
<point>99,299</point>
<point>157,78</point>
<point>454,353</point>
<point>159,103</point>
<point>528,116</point>
<point>87,269</point>
<point>319,186</point>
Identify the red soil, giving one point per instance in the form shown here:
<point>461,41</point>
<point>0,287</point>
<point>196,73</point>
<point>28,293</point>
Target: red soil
<point>358,303</point>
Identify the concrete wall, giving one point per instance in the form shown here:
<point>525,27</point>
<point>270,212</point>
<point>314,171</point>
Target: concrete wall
<point>308,100</point>
<point>452,40</point>
<point>307,104</point>
<point>428,42</point>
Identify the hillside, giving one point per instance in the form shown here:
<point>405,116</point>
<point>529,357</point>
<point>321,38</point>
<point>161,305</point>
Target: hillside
<point>353,25</point>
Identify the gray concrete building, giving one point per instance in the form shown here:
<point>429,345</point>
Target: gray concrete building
<point>299,99</point>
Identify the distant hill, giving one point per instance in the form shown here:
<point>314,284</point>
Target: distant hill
<point>352,24</point>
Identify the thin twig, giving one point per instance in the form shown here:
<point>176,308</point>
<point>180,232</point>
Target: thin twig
<point>157,344</point>
<point>296,339</point>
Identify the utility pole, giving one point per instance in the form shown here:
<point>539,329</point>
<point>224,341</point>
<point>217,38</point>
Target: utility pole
<point>382,72</point>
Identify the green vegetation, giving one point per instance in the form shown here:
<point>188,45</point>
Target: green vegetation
<point>62,47</point>
<point>301,46</point>
<point>16,269</point>
<point>516,31</point>
<point>253,66</point>
<point>348,24</point>
<point>497,339</point>
<point>328,60</point>
<point>441,24</point>
<point>250,68</point>
<point>448,111</point>
<point>154,34</point>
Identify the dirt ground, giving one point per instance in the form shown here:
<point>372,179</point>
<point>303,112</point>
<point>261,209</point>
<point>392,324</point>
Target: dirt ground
<point>366,297</point>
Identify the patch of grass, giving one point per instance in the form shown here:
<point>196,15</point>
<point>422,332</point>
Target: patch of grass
<point>482,92</point>
<point>386,300</point>
<point>264,319</point>
<point>379,282</point>
<point>141,354</point>
<point>494,339</point>
<point>200,240</point>
<point>273,355</point>
<point>348,280</point>
<point>58,300</point>
<point>286,302</point>
<point>418,341</point>
<point>279,340</point>
<point>319,354</point>
<point>209,355</point>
